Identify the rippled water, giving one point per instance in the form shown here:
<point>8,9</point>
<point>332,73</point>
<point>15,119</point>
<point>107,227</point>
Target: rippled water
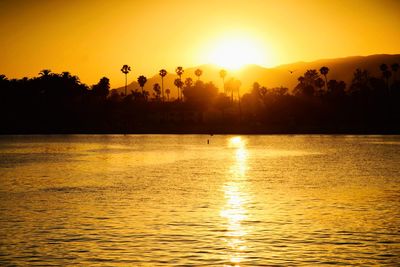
<point>140,200</point>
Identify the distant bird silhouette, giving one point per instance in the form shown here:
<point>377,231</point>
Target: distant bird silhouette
<point>291,71</point>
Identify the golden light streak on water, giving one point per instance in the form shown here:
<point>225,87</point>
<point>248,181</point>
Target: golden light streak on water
<point>168,200</point>
<point>236,196</point>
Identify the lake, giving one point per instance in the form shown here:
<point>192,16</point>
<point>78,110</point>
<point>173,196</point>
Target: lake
<point>153,200</point>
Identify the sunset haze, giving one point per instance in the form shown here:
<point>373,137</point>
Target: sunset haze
<point>93,39</point>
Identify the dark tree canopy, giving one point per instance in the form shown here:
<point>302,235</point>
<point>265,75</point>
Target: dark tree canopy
<point>60,103</point>
<point>102,88</point>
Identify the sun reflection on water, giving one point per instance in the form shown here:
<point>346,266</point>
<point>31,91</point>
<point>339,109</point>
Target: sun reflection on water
<point>236,196</point>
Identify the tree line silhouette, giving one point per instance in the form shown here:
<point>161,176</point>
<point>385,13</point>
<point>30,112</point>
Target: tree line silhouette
<point>60,103</point>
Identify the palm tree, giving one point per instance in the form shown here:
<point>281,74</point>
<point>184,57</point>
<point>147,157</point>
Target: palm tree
<point>360,81</point>
<point>383,67</point>
<point>188,82</point>
<point>319,83</point>
<point>395,68</point>
<point>385,74</point>
<point>70,79</point>
<point>263,91</point>
<point>125,70</point>
<point>167,91</point>
<point>146,95</point>
<point>234,85</point>
<point>222,74</point>
<point>324,71</point>
<point>162,73</point>
<point>179,71</point>
<point>66,75</point>
<point>157,91</point>
<point>238,84</point>
<point>198,73</point>
<point>45,73</point>
<point>178,83</point>
<point>142,81</point>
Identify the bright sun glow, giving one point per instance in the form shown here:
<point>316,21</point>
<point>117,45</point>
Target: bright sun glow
<point>234,52</point>
<point>236,141</point>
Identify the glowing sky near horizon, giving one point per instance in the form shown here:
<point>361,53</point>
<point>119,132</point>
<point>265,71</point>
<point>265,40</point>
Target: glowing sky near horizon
<point>93,39</point>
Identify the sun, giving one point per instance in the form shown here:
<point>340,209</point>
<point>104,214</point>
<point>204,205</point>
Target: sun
<point>235,52</point>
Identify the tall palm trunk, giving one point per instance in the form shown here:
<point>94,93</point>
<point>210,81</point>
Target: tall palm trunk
<point>240,107</point>
<point>180,88</point>
<point>126,83</point>
<point>162,88</point>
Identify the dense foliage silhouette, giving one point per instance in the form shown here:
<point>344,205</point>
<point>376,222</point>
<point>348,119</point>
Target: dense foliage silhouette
<point>60,103</point>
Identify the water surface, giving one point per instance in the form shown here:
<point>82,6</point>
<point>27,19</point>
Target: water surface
<point>150,200</point>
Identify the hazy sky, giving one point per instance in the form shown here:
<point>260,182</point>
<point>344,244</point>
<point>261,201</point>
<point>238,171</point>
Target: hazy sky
<point>95,38</point>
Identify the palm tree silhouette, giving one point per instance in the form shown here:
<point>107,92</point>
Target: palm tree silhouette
<point>162,73</point>
<point>222,74</point>
<point>142,81</point>
<point>234,86</point>
<point>167,91</point>
<point>178,83</point>
<point>324,71</point>
<point>198,73</point>
<point>319,83</point>
<point>385,74</point>
<point>179,71</point>
<point>45,73</point>
<point>66,75</point>
<point>188,82</point>
<point>238,84</point>
<point>145,95</point>
<point>125,70</point>
<point>383,67</point>
<point>157,91</point>
<point>263,91</point>
<point>395,68</point>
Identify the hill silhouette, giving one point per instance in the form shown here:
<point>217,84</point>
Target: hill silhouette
<point>339,68</point>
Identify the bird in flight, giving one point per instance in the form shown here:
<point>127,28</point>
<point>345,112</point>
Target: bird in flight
<point>291,71</point>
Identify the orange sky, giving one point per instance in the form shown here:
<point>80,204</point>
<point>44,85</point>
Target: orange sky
<point>95,38</point>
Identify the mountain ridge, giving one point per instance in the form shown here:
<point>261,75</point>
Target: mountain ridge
<point>282,75</point>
